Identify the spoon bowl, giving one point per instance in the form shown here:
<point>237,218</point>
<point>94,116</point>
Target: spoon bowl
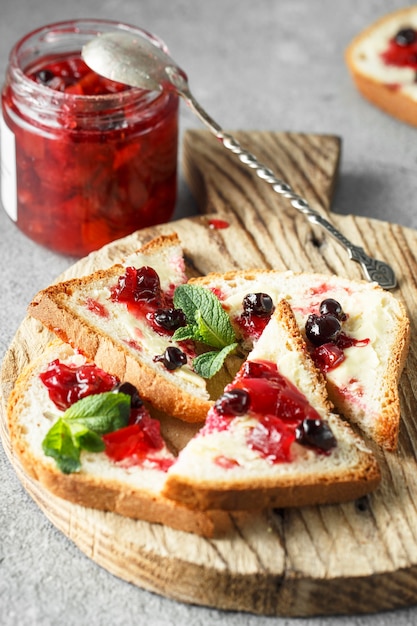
<point>143,62</point>
<point>134,61</point>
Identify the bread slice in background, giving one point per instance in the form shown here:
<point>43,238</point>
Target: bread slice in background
<point>132,491</point>
<point>364,388</point>
<point>389,87</point>
<point>219,468</point>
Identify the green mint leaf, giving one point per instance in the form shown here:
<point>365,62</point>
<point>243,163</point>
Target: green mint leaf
<point>60,445</point>
<point>211,334</point>
<point>188,298</point>
<point>101,412</point>
<point>81,425</point>
<point>206,318</point>
<point>186,332</point>
<point>90,441</point>
<point>209,363</point>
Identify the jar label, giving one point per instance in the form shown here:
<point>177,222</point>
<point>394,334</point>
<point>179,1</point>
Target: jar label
<point>8,170</point>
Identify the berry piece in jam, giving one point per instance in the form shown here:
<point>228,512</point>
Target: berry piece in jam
<point>273,394</point>
<point>257,310</point>
<point>134,442</point>
<point>169,319</point>
<point>259,304</point>
<point>402,49</point>
<point>173,358</point>
<point>233,402</point>
<point>44,76</point>
<point>129,390</point>
<point>328,356</point>
<point>316,433</point>
<point>67,384</point>
<point>272,438</point>
<point>330,306</point>
<point>325,332</point>
<point>70,74</point>
<point>405,37</point>
<point>138,285</point>
<point>322,328</point>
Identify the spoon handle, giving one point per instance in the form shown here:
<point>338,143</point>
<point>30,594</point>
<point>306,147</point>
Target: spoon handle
<point>373,269</point>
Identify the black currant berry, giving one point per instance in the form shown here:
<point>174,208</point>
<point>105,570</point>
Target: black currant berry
<point>322,329</point>
<point>332,307</point>
<point>172,358</point>
<point>233,402</point>
<point>259,304</point>
<point>315,432</point>
<point>170,319</point>
<point>405,37</point>
<point>130,390</point>
<point>44,76</point>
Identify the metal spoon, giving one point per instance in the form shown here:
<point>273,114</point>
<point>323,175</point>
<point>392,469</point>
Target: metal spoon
<point>140,62</point>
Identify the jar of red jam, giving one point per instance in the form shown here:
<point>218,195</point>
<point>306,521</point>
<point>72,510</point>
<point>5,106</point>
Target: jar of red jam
<point>84,160</point>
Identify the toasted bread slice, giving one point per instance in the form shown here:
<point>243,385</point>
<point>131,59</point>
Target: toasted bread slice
<point>133,490</point>
<point>383,72</point>
<point>122,341</point>
<point>364,386</point>
<point>257,460</point>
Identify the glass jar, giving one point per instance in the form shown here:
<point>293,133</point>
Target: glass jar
<point>84,160</point>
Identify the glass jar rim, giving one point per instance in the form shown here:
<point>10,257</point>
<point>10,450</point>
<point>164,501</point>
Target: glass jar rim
<point>49,33</point>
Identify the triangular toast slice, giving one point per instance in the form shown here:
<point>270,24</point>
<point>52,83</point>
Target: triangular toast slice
<point>127,480</point>
<point>109,317</point>
<point>362,366</point>
<point>272,439</point>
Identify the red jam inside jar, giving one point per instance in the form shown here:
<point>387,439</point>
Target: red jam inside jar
<point>87,160</point>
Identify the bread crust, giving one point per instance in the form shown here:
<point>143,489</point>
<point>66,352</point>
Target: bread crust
<point>390,98</point>
<point>96,492</point>
<point>50,308</point>
<point>292,492</point>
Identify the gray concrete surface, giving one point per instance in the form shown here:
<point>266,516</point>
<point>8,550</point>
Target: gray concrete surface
<point>272,65</point>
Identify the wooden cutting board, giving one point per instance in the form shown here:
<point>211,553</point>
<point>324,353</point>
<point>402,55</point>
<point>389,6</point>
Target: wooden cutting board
<point>353,558</point>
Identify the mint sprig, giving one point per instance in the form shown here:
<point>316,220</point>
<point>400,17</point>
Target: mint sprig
<point>81,427</point>
<point>207,323</point>
<point>208,364</point>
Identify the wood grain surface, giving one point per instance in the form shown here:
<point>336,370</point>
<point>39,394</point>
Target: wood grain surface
<point>357,557</point>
